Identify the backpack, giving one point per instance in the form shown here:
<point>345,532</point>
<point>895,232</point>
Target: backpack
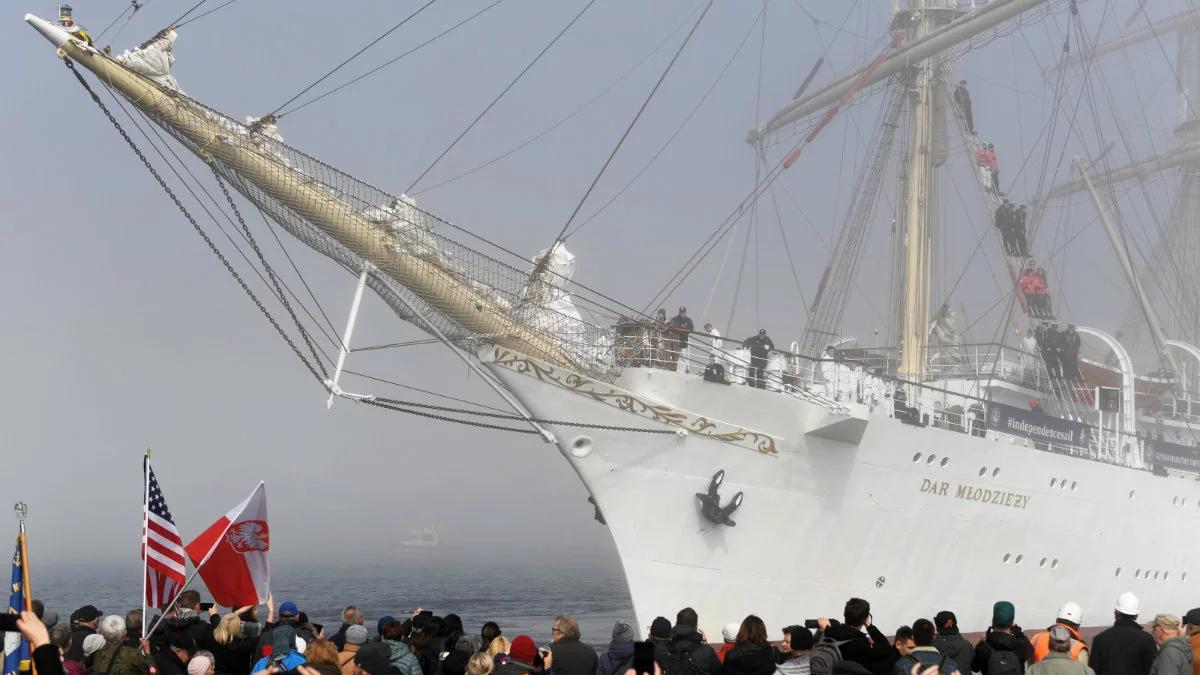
<point>679,662</point>
<point>826,654</point>
<point>1003,663</point>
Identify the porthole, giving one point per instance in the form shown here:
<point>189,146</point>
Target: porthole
<point>1053,482</point>
<point>1117,573</point>
<point>1132,494</point>
<point>1020,559</point>
<point>982,471</point>
<point>1054,564</point>
<point>916,458</point>
<point>930,459</point>
<point>1074,484</point>
<point>945,461</point>
<point>1137,574</point>
<point>1175,501</point>
<point>1166,575</point>
<point>995,472</point>
<point>1062,483</point>
<point>1156,575</point>
<point>581,447</point>
<point>1183,577</point>
<point>1042,563</point>
<point>1007,557</point>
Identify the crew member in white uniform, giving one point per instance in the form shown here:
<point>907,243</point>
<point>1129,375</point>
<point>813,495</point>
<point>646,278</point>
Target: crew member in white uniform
<point>715,343</point>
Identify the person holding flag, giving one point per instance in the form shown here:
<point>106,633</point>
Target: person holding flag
<point>16,647</point>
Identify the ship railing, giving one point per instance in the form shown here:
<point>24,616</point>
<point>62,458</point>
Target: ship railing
<point>983,361</point>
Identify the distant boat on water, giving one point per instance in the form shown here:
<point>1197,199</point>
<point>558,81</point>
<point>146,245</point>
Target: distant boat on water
<point>422,539</point>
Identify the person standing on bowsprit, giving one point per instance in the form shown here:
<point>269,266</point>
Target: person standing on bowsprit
<point>760,346</point>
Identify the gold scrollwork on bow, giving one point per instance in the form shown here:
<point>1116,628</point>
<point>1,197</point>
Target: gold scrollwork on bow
<point>624,401</point>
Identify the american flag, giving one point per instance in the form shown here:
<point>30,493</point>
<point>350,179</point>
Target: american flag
<point>162,548</point>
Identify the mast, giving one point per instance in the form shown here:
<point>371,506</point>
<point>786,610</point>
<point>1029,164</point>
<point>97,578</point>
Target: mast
<point>926,17</point>
<point>1122,253</point>
<point>460,299</point>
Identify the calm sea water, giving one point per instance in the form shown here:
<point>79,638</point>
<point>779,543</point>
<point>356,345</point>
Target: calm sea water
<point>521,597</point>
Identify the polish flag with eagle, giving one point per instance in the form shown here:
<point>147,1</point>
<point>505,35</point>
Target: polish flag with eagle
<point>231,555</point>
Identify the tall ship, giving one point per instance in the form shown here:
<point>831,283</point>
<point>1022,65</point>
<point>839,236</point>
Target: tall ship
<point>919,469</point>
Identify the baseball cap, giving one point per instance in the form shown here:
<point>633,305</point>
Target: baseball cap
<point>374,657</point>
<point>1059,635</point>
<point>1192,617</point>
<point>86,613</point>
<point>356,635</point>
<point>288,608</point>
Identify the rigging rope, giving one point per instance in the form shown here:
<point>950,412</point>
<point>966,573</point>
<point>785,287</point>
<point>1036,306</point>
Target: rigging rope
<point>390,404</point>
<point>389,62</point>
<point>181,17</point>
<point>195,225</point>
<point>629,128</point>
<point>679,129</point>
<point>499,96</point>
<point>201,16</point>
<point>353,56</point>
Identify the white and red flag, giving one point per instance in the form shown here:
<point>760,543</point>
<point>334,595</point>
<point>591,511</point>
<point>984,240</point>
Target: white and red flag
<point>231,555</point>
<point>162,548</point>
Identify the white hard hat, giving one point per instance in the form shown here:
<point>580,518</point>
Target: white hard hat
<point>1071,611</point>
<point>730,631</point>
<point>1127,603</point>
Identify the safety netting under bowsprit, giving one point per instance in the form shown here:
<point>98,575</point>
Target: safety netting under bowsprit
<point>403,246</point>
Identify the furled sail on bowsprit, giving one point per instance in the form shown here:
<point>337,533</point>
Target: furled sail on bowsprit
<point>466,295</point>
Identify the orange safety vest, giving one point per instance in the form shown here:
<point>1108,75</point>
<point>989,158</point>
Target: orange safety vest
<point>1041,644</point>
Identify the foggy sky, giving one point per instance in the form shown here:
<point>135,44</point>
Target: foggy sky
<point>123,332</point>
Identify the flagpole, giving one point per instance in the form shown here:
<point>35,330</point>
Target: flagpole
<point>22,510</point>
<point>145,533</point>
<point>167,610</point>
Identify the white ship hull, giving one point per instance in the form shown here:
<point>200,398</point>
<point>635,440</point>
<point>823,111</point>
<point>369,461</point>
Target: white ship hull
<point>825,520</point>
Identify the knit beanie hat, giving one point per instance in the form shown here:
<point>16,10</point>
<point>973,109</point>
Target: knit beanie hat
<point>660,628</point>
<point>523,649</point>
<point>622,633</point>
<point>92,644</point>
<point>1003,614</point>
<point>356,635</point>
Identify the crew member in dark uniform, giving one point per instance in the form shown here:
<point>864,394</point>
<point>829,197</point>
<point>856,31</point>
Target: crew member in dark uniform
<point>1020,243</point>
<point>1004,223</point>
<point>1069,354</point>
<point>760,346</point>
<point>962,98</point>
<point>683,326</point>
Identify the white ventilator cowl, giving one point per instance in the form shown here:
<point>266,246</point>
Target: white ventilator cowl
<point>1127,603</point>
<point>1071,611</point>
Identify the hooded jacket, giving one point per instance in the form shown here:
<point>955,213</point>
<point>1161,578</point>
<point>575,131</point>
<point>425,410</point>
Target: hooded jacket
<point>610,662</point>
<point>748,659</point>
<point>1174,658</point>
<point>403,658</point>
<point>998,641</point>
<point>1194,638</point>
<point>1124,649</point>
<point>688,639</point>
<point>953,645</point>
<point>796,665</point>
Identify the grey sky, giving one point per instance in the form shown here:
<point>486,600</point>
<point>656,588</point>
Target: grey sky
<point>124,332</point>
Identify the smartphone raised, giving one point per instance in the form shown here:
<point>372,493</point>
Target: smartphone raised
<point>205,606</point>
<point>643,658</point>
